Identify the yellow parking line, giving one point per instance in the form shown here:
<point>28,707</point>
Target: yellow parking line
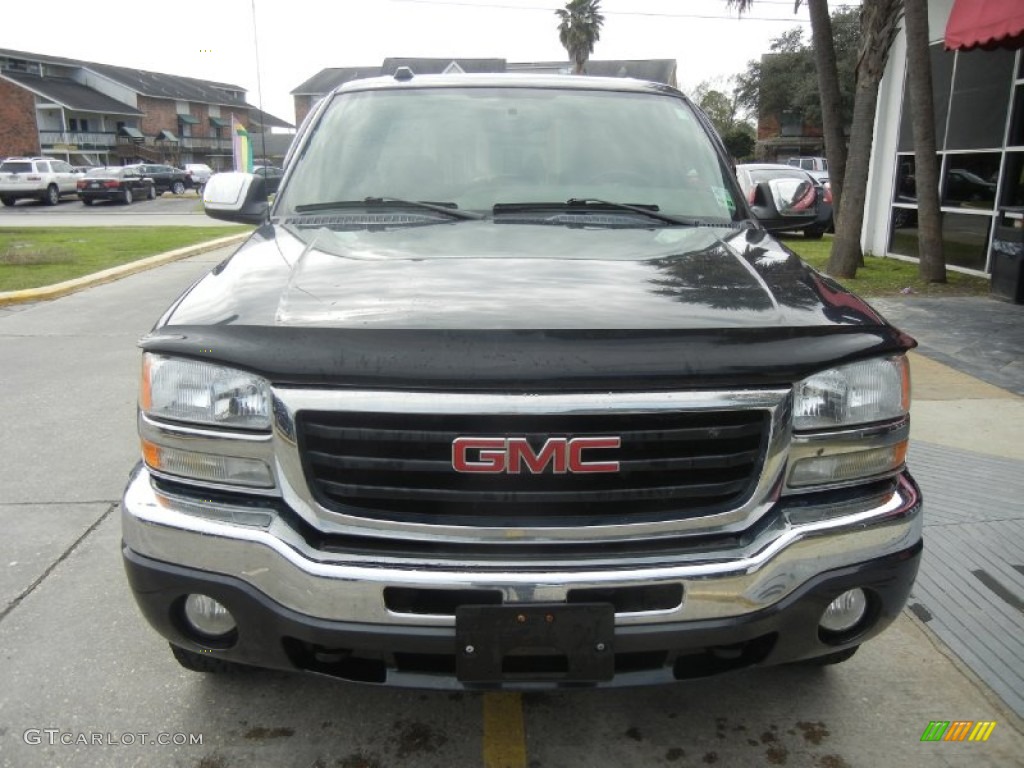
<point>504,734</point>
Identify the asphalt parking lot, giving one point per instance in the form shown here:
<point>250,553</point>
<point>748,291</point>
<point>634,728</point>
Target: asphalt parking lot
<point>166,210</point>
<point>85,682</point>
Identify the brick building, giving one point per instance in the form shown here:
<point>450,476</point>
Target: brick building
<point>100,114</point>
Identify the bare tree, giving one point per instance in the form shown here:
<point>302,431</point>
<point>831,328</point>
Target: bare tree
<point>931,260</point>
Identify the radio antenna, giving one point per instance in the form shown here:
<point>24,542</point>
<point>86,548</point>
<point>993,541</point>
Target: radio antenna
<point>259,87</point>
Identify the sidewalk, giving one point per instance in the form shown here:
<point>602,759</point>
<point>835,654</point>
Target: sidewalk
<point>977,335</point>
<point>967,452</point>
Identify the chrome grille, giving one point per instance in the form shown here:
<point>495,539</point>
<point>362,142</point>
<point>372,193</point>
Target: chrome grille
<point>672,465</point>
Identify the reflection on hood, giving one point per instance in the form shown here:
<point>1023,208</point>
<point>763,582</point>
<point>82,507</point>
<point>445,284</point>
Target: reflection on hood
<point>479,275</point>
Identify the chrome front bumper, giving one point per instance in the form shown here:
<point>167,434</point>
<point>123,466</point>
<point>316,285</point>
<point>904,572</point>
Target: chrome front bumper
<point>272,557</point>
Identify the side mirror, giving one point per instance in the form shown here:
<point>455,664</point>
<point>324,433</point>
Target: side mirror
<point>797,200</point>
<point>238,197</point>
<point>763,204</point>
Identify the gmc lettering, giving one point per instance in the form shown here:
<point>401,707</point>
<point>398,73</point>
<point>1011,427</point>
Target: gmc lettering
<point>495,455</point>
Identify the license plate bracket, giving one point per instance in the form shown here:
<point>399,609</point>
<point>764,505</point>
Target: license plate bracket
<point>539,641</point>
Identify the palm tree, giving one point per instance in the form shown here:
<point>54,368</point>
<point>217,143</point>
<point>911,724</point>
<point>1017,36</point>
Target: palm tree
<point>879,20</point>
<point>831,101</point>
<point>931,261</point>
<point>579,29</point>
<point>828,86</point>
<point>879,25</point>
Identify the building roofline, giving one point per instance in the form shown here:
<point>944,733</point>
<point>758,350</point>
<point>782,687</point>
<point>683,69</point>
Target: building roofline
<point>110,72</point>
<point>128,111</point>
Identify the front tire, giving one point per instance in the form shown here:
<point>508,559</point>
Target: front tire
<point>127,197</point>
<point>52,195</point>
<point>8,201</point>
<point>203,662</point>
<point>87,201</point>
<point>151,193</point>
<point>178,188</point>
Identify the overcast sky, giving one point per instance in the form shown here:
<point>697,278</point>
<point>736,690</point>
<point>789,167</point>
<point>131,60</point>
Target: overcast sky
<point>213,39</point>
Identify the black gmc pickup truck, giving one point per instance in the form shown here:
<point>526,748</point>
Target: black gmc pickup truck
<point>509,390</point>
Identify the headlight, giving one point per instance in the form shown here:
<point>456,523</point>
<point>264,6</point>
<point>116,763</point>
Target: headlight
<point>203,393</point>
<point>850,424</point>
<point>858,393</point>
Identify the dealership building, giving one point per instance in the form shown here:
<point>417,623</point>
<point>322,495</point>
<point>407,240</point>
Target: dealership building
<point>978,90</point>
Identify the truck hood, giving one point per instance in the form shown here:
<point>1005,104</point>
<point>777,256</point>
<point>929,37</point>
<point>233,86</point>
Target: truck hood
<point>481,286</point>
<point>483,275</point>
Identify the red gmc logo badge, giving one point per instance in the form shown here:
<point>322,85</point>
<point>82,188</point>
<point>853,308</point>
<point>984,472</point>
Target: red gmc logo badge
<point>495,455</point>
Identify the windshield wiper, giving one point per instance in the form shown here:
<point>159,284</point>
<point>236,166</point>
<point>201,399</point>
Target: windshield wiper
<point>449,209</point>
<point>593,204</point>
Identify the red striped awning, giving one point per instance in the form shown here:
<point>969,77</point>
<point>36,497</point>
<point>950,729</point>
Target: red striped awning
<point>985,24</point>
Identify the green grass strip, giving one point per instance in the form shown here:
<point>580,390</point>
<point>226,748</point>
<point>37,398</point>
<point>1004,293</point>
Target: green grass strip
<point>888,277</point>
<point>32,257</point>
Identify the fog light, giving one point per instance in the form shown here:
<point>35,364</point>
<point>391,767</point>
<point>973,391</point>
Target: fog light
<point>207,616</point>
<point>845,611</point>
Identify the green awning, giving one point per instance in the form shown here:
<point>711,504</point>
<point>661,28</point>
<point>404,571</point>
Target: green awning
<point>220,122</point>
<point>166,136</point>
<point>131,133</point>
<point>188,119</point>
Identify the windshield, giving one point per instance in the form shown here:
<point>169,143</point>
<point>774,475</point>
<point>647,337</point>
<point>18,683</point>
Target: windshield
<point>479,147</point>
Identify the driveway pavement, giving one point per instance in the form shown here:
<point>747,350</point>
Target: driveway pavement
<point>79,664</point>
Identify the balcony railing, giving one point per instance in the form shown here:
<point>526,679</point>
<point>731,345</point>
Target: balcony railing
<point>205,143</point>
<point>71,141</point>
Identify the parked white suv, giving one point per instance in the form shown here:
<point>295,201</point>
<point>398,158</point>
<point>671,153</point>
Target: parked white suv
<point>199,172</point>
<point>816,166</point>
<point>40,178</point>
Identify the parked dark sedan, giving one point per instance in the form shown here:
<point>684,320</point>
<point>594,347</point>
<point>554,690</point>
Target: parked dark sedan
<point>124,184</point>
<point>271,175</point>
<point>166,178</point>
<point>786,199</point>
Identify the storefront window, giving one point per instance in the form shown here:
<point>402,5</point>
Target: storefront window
<point>970,180</point>
<point>977,117</point>
<point>979,131</point>
<point>903,232</point>
<point>1013,181</point>
<point>942,79</point>
<point>964,237</point>
<point>906,179</point>
<point>1016,137</point>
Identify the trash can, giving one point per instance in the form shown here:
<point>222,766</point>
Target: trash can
<point>1008,258</point>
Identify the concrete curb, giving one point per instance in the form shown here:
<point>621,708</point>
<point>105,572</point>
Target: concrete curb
<point>57,290</point>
